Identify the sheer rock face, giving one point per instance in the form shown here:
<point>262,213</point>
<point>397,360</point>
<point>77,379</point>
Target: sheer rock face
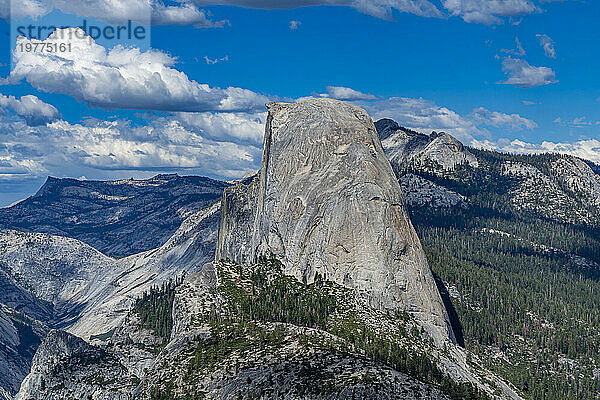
<point>327,202</point>
<point>236,227</point>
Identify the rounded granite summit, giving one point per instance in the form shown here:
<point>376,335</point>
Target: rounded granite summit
<point>327,203</point>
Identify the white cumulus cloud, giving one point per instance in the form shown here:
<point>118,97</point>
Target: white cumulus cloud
<point>483,116</point>
<point>347,94</point>
<point>31,108</point>
<point>489,12</point>
<point>239,127</point>
<point>184,14</point>
<point>23,9</point>
<point>124,78</point>
<point>114,11</point>
<point>107,149</point>
<point>521,74</point>
<point>588,149</point>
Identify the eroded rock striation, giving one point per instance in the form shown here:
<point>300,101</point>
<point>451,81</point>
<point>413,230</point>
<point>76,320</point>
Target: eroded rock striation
<point>327,204</point>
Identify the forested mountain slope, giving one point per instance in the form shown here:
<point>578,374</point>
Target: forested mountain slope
<point>518,257</point>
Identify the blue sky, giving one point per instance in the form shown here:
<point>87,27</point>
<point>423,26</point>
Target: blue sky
<point>512,75</point>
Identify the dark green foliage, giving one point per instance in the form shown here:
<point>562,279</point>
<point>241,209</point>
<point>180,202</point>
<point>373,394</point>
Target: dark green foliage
<point>228,337</point>
<point>155,308</point>
<point>274,297</point>
<point>263,293</point>
<point>390,352</point>
<point>163,392</point>
<point>525,287</point>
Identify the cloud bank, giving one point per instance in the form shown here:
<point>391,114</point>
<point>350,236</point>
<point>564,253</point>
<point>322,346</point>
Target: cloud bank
<point>489,12</point>
<point>588,149</point>
<point>123,78</point>
<point>110,149</point>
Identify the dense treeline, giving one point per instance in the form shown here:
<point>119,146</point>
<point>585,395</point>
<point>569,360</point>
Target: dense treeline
<point>390,352</point>
<point>524,306</point>
<point>526,289</point>
<point>155,308</point>
<point>279,298</point>
<point>274,297</point>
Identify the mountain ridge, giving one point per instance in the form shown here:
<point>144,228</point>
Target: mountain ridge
<point>119,218</point>
<point>447,202</point>
<point>518,259</point>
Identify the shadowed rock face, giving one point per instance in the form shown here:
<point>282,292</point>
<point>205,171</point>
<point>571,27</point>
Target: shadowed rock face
<point>327,203</point>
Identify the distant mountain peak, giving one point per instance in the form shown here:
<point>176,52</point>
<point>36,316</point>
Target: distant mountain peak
<point>119,218</point>
<point>165,176</point>
<point>439,151</point>
<point>387,127</point>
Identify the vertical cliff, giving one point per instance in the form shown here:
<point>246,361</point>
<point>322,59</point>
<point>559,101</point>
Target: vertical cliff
<point>327,204</point>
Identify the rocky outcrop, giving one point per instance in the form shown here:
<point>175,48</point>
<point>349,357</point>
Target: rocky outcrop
<point>568,191</point>
<point>65,366</point>
<point>52,268</point>
<point>102,307</point>
<point>68,284</point>
<point>577,177</point>
<point>87,292</point>
<point>263,360</point>
<point>5,395</point>
<point>420,192</point>
<point>236,228</point>
<point>19,338</point>
<point>437,153</point>
<point>327,203</point>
